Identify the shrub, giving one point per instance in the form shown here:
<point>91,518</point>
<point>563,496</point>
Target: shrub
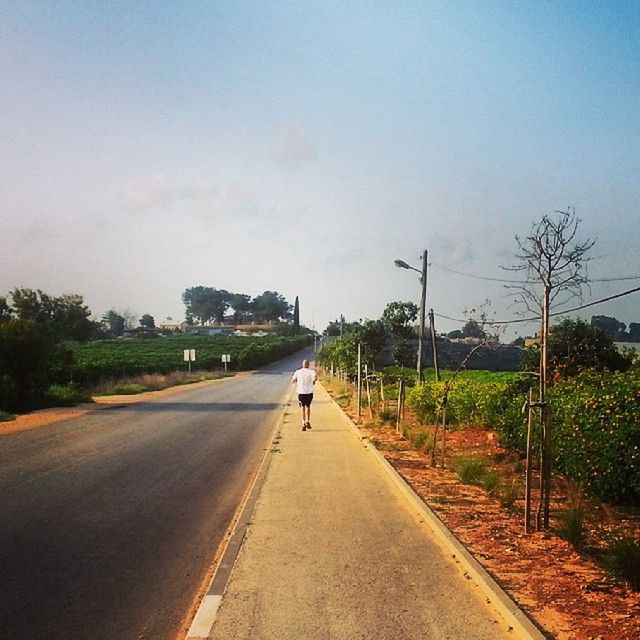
<point>128,389</point>
<point>386,416</point>
<point>424,400</point>
<point>479,400</point>
<point>422,440</point>
<point>490,481</point>
<point>571,526</point>
<point>6,417</point>
<point>67,395</point>
<point>507,495</point>
<point>596,433</point>
<point>622,561</point>
<point>471,470</point>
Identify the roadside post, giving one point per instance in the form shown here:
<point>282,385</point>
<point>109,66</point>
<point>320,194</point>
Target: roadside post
<point>226,358</point>
<point>189,356</point>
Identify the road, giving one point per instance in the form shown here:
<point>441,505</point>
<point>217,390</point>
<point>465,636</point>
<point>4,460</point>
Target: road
<point>109,522</point>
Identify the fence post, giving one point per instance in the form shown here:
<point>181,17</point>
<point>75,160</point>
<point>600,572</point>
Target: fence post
<point>359,380</point>
<point>399,413</point>
<point>528,473</point>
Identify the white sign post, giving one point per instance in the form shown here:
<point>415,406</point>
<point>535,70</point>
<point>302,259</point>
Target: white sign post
<point>189,356</point>
<point>226,357</point>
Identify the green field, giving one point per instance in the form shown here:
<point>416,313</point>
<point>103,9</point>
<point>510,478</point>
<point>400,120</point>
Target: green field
<point>392,374</point>
<point>111,359</point>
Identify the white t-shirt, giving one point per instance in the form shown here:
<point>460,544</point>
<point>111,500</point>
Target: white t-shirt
<point>304,378</point>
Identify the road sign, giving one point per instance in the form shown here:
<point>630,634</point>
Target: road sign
<point>189,356</point>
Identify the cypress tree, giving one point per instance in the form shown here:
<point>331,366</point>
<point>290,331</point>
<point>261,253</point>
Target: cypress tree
<point>296,317</point>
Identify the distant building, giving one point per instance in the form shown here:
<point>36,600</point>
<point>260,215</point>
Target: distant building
<point>626,346</point>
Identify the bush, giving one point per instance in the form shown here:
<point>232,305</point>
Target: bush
<point>424,400</point>
<point>471,470</point>
<point>596,433</point>
<point>507,494</point>
<point>571,526</point>
<point>387,416</point>
<point>622,561</point>
<point>595,420</point>
<point>486,402</point>
<point>422,440</point>
<point>67,395</point>
<point>128,389</point>
<point>6,417</point>
<point>490,481</point>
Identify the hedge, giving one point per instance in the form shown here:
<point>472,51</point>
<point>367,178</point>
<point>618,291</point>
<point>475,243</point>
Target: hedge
<point>595,424</point>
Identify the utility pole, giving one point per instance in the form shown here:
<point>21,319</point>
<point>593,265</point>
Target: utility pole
<point>423,302</point>
<point>359,378</point>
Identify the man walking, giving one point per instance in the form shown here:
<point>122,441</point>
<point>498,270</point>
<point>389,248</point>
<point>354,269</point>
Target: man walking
<point>304,379</point>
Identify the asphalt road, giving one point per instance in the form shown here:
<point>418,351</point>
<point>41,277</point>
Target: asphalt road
<point>109,522</point>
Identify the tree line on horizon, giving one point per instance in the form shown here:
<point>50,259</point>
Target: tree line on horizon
<point>207,305</point>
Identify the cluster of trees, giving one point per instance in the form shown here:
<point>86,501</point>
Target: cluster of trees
<point>396,323</point>
<point>574,345</point>
<point>115,323</point>
<point>35,331</point>
<point>206,305</point>
<point>617,330</point>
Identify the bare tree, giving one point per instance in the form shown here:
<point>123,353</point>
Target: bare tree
<point>555,267</point>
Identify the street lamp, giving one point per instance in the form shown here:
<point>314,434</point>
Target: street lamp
<point>423,281</point>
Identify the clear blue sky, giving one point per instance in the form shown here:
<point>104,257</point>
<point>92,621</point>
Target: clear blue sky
<point>303,146</point>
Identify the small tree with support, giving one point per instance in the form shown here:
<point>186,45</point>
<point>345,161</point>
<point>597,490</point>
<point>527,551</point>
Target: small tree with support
<point>555,267</point>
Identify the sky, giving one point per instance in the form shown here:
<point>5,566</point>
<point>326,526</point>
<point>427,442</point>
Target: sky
<point>302,147</point>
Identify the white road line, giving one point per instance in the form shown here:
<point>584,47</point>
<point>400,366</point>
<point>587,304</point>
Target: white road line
<point>206,616</point>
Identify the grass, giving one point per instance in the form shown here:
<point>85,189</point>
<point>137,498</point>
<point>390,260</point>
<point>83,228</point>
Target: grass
<point>476,471</point>
<point>475,375</point>
<point>152,382</point>
<point>507,495</point>
<point>422,440</point>
<point>622,561</point>
<point>471,470</point>
<point>571,526</point>
<point>67,395</point>
<point>490,481</point>
<point>387,416</point>
<point>129,389</point>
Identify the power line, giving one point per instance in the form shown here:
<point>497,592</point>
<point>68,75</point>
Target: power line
<point>505,280</point>
<point>477,277</point>
<point>555,313</point>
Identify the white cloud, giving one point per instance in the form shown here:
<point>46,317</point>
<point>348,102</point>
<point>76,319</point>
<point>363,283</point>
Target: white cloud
<point>452,252</point>
<point>294,147</point>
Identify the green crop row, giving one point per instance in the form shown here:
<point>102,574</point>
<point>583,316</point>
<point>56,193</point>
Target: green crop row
<point>108,359</point>
<point>595,420</point>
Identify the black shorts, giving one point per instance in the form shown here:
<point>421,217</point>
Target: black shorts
<point>305,399</point>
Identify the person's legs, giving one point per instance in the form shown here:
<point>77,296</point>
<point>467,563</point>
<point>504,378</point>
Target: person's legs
<point>305,402</point>
<point>303,415</point>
